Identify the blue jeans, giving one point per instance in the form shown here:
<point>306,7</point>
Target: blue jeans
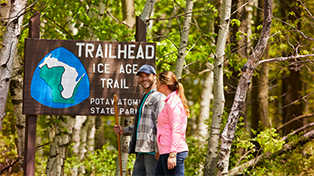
<point>145,164</point>
<point>162,168</point>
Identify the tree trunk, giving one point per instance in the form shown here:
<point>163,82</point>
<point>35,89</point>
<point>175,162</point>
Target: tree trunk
<point>4,14</point>
<point>16,90</point>
<point>128,12</point>
<point>76,139</point>
<point>85,129</point>
<point>260,99</point>
<point>124,141</point>
<point>228,134</point>
<point>219,100</point>
<point>291,88</point>
<point>59,147</point>
<point>292,83</point>
<point>184,38</point>
<point>147,11</point>
<point>207,90</point>
<point>260,88</point>
<point>9,49</point>
<point>206,97</point>
<point>100,140</point>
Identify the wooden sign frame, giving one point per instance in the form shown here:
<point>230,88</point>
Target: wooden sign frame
<point>54,85</point>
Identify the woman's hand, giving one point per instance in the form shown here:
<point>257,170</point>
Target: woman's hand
<point>171,162</point>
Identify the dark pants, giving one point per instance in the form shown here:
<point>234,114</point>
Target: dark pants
<point>162,168</point>
<point>145,164</point>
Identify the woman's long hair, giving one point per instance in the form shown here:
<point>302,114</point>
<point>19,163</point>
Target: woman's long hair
<point>169,78</point>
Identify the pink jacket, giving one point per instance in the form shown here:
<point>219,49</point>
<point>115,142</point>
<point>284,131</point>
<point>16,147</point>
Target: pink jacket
<point>171,126</point>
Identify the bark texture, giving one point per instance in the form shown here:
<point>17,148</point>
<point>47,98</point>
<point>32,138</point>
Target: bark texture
<point>124,141</point>
<point>206,97</point>
<point>219,99</point>
<point>128,12</point>
<point>147,11</point>
<point>59,147</point>
<point>228,134</point>
<point>9,49</point>
<point>260,88</point>
<point>260,99</point>
<point>16,90</point>
<point>184,38</point>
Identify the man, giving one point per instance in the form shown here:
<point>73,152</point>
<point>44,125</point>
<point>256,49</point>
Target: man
<point>143,141</point>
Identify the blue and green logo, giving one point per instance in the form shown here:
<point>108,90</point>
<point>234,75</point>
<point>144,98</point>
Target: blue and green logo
<point>60,80</point>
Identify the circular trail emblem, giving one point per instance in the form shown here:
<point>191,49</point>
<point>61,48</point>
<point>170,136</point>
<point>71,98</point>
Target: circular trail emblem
<point>60,80</point>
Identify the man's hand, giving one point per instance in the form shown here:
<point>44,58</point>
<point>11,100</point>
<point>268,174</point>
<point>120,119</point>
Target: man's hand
<point>157,156</point>
<point>118,129</point>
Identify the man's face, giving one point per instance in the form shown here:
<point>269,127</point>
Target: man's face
<point>147,81</point>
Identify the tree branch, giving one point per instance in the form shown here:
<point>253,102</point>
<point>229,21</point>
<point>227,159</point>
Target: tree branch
<point>294,119</point>
<point>282,59</point>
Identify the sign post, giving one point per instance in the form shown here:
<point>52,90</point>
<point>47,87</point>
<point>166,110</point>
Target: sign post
<point>31,120</point>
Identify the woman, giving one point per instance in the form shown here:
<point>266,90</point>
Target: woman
<point>171,126</point>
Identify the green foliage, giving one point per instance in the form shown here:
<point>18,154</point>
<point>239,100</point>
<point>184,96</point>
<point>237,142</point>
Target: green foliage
<point>99,163</point>
<point>8,136</point>
<point>269,140</point>
<point>297,162</point>
<point>196,157</point>
<point>235,22</point>
<point>8,152</point>
<point>40,164</point>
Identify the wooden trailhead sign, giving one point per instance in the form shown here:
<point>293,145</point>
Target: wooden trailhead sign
<point>68,77</point>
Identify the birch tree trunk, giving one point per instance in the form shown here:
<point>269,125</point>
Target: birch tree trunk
<point>207,91</point>
<point>128,12</point>
<point>228,134</point>
<point>147,11</point>
<point>219,100</point>
<point>184,38</point>
<point>206,97</point>
<point>4,14</point>
<point>9,49</point>
<point>16,90</point>
<point>124,141</point>
<point>59,147</point>
<point>76,139</point>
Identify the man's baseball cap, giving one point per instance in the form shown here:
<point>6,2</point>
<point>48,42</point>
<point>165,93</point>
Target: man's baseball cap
<point>147,69</point>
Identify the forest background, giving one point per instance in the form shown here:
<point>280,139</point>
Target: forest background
<point>273,132</point>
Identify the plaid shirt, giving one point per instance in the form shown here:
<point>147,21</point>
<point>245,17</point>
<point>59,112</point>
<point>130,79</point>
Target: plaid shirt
<point>146,140</point>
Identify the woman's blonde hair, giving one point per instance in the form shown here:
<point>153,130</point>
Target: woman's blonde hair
<point>169,79</point>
